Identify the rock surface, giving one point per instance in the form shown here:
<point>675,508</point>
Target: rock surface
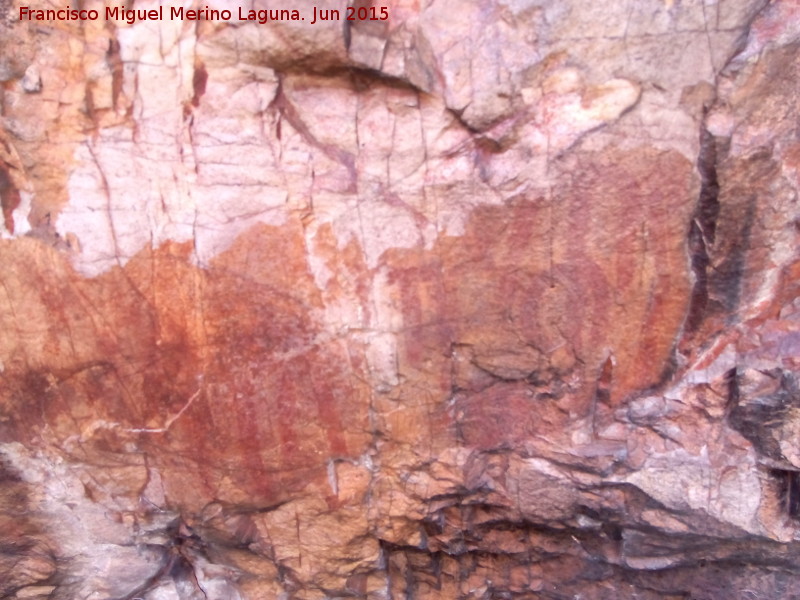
<point>488,300</point>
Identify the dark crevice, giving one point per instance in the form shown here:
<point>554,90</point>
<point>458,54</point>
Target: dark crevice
<point>177,561</point>
<point>365,78</point>
<point>761,420</point>
<point>362,78</point>
<point>703,227</point>
<point>760,417</point>
<point>288,112</point>
<point>788,491</point>
<point>702,231</point>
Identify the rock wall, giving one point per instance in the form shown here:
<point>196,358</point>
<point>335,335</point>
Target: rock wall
<point>486,300</point>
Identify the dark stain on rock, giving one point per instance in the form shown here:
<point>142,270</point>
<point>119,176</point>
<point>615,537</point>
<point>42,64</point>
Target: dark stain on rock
<point>788,490</point>
<point>730,273</point>
<point>760,404</point>
<point>702,230</point>
<point>115,64</point>
<point>199,82</point>
<point>737,254</point>
<point>9,197</point>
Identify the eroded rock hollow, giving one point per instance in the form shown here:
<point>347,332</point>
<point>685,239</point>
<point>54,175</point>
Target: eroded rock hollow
<point>486,300</point>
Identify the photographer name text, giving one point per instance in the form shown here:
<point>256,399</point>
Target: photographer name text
<point>179,13</point>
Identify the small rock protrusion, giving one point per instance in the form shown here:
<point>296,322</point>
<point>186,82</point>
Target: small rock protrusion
<point>32,80</point>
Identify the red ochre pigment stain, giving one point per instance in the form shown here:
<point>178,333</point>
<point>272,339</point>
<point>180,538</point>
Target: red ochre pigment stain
<point>227,380</point>
<point>127,351</point>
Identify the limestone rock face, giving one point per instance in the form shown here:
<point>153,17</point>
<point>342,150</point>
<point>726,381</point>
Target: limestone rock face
<point>486,300</point>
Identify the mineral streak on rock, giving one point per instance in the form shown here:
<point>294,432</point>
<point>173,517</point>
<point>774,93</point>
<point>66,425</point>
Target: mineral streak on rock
<point>483,300</point>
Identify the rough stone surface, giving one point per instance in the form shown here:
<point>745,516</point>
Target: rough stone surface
<point>491,300</point>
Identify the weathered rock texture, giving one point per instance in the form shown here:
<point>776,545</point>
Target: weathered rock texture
<point>492,300</point>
